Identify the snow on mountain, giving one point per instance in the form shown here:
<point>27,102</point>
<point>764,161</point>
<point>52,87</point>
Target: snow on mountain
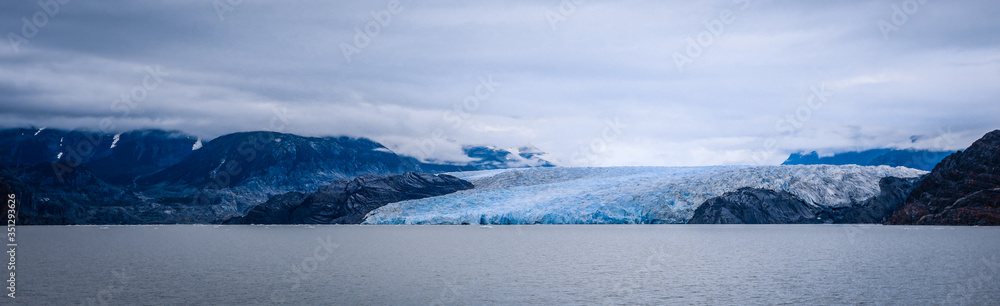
<point>114,142</point>
<point>491,157</point>
<point>563,195</point>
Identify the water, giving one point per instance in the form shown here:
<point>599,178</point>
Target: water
<point>550,264</point>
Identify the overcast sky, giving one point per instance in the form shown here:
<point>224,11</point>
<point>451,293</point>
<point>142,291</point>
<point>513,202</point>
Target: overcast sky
<point>592,82</point>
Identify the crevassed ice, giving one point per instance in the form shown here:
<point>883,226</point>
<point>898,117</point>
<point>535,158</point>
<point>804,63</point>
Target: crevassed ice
<point>564,195</point>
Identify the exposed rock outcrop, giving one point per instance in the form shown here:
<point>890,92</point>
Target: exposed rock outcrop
<point>756,206</point>
<point>964,189</point>
<point>348,201</point>
<point>762,206</point>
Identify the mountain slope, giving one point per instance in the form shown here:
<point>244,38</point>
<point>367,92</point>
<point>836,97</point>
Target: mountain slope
<point>763,206</point>
<point>347,201</point>
<point>756,206</point>
<point>964,189</point>
<point>916,159</point>
<point>114,158</point>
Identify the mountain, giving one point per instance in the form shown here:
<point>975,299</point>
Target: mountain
<point>33,146</point>
<point>563,195</point>
<point>964,189</point>
<point>756,206</point>
<point>916,159</point>
<point>114,158</point>
<point>78,197</point>
<point>763,206</point>
<point>491,157</point>
<point>140,153</point>
<point>154,176</point>
<point>279,159</point>
<point>347,201</point>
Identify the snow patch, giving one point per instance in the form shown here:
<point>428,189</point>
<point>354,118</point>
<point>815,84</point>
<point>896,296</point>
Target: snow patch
<point>197,145</point>
<point>115,141</point>
<point>39,131</point>
<point>383,149</point>
<point>58,156</point>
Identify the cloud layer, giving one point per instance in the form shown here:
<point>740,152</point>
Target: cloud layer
<point>593,83</point>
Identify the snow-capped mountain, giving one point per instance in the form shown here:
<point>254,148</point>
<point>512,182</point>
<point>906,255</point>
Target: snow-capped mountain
<point>627,194</point>
<point>490,157</point>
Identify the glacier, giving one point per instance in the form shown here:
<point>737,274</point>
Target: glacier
<point>627,195</point>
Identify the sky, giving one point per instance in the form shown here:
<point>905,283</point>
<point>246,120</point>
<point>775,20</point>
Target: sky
<point>593,83</point>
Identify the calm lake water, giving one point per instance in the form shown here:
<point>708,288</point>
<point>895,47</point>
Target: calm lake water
<point>540,264</point>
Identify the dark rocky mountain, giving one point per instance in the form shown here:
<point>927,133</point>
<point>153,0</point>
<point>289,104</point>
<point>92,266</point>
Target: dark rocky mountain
<point>279,159</point>
<point>348,201</point>
<point>763,206</point>
<point>33,146</point>
<point>78,197</point>
<point>153,176</point>
<point>114,158</point>
<point>756,206</point>
<point>964,189</point>
<point>140,153</point>
<point>879,208</point>
<point>916,159</point>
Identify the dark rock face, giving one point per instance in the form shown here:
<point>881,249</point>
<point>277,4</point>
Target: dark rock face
<point>237,171</point>
<point>282,159</point>
<point>140,153</point>
<point>163,177</point>
<point>277,210</point>
<point>916,159</point>
<point>762,206</point>
<point>878,209</point>
<point>755,206</point>
<point>81,198</point>
<point>348,201</point>
<point>964,189</point>
<point>120,161</point>
<point>33,146</point>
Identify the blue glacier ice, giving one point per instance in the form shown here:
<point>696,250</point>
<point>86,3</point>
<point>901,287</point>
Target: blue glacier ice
<point>615,195</point>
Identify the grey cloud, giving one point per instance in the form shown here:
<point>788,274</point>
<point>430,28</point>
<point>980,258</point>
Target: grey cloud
<point>605,60</point>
